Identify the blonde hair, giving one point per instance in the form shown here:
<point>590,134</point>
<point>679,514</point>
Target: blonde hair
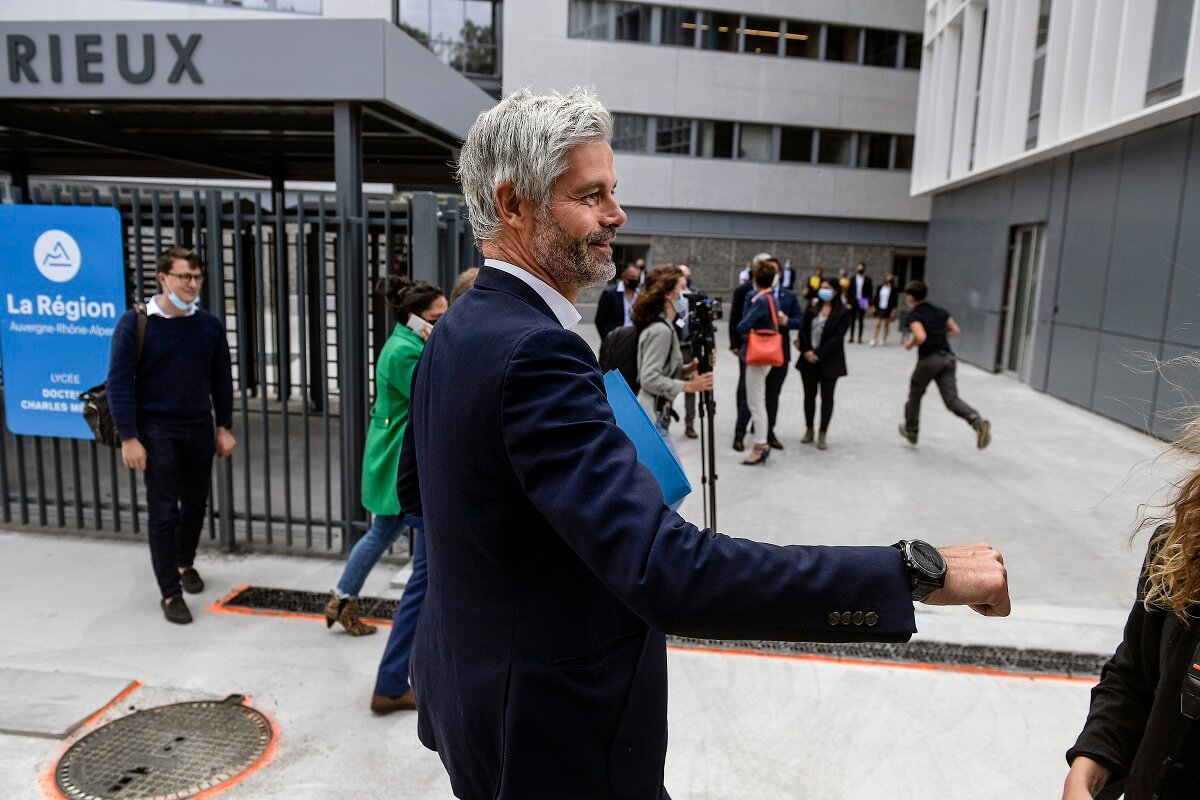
<point>1173,572</point>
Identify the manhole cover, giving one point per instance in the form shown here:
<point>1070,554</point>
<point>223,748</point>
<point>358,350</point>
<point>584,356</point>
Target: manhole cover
<point>165,753</point>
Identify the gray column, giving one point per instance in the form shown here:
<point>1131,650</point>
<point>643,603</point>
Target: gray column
<point>352,321</point>
<point>423,237</point>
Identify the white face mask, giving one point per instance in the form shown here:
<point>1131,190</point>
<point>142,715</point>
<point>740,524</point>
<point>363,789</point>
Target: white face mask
<point>681,306</point>
<point>180,303</point>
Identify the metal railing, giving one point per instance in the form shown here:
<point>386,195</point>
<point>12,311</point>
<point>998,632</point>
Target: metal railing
<point>273,280</point>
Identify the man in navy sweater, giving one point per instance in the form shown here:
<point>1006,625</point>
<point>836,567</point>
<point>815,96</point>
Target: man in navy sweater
<point>162,403</point>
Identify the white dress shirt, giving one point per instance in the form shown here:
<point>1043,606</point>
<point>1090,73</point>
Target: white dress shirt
<point>566,314</point>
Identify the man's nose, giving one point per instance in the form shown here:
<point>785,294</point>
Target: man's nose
<point>615,216</point>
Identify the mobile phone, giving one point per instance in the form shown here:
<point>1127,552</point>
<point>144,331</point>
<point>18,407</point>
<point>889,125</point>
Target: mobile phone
<point>418,325</point>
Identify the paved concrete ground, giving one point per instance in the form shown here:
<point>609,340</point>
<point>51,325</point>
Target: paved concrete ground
<point>1058,492</point>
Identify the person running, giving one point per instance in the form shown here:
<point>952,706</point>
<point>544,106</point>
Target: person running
<point>931,329</point>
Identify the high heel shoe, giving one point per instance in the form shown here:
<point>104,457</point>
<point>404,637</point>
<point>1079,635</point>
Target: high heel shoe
<point>760,455</point>
<point>333,609</point>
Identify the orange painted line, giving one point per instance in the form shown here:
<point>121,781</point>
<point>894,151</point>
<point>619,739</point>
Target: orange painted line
<point>219,608</point>
<point>47,784</point>
<point>859,662</point>
<point>262,761</point>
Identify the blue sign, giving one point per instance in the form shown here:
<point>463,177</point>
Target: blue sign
<point>61,294</point>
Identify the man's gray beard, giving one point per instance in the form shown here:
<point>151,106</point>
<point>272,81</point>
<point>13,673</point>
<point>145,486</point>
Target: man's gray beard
<point>569,262</point>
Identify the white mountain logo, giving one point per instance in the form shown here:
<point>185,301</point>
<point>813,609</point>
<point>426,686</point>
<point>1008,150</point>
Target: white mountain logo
<point>57,255</point>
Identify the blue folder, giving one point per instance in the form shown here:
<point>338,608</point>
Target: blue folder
<point>652,451</point>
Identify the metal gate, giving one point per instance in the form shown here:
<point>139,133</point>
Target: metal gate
<point>298,343</point>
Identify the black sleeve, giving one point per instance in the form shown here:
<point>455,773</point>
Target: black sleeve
<point>736,307</point>
<point>1122,700</point>
<point>835,331</point>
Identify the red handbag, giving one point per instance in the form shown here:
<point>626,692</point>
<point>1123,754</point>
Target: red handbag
<point>764,347</point>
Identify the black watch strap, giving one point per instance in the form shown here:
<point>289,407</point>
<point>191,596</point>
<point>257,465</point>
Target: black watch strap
<point>925,565</point>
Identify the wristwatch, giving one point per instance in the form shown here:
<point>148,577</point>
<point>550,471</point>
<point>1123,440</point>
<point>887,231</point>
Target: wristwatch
<point>925,565</point>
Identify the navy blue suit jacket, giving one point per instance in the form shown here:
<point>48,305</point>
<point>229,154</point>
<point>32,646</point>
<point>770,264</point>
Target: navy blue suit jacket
<point>539,665</point>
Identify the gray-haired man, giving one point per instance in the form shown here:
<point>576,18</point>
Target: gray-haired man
<point>555,568</point>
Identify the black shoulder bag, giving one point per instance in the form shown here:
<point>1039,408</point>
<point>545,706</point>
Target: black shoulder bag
<point>95,400</point>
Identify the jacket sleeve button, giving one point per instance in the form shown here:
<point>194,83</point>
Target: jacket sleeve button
<point>847,617</point>
<point>834,618</point>
<point>871,618</point>
<point>858,618</point>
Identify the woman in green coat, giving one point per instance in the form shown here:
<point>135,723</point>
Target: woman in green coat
<point>417,305</point>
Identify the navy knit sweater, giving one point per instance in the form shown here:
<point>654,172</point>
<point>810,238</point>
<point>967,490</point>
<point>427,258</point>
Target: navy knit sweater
<point>184,374</point>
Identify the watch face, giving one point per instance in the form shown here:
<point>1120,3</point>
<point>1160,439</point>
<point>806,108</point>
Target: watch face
<point>926,558</point>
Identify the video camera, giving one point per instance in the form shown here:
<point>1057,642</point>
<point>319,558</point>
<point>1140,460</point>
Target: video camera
<point>702,311</point>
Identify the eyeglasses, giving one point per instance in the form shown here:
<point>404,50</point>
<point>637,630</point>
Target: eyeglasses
<point>187,277</point>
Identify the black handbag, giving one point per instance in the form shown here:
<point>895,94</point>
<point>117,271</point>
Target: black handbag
<point>95,400</point>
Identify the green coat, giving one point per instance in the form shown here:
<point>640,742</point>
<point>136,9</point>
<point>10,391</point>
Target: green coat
<point>389,418</point>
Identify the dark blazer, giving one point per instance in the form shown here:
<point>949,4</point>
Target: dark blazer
<point>539,664</point>
<point>868,291</point>
<point>610,309</point>
<point>1135,718</point>
<point>737,307</point>
<point>831,352</point>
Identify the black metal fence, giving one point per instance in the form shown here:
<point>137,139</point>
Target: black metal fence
<point>276,277</point>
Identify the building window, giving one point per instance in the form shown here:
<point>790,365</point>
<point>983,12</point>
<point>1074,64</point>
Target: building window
<point>754,142</point>
<point>833,147</point>
<point>881,48</point>
<point>1039,76</point>
<point>1168,51</point>
<point>679,27</point>
<point>587,19</point>
<point>802,39</point>
<point>913,46</point>
<point>874,150</point>
<point>629,133</point>
<point>795,144</point>
<point>632,22</point>
<point>673,135</point>
<point>841,44</point>
<point>719,31</point>
<point>761,36</point>
<point>716,139</point>
<point>904,152</point>
<point>461,33</point>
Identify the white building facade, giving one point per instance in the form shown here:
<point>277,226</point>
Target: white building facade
<point>745,125</point>
<point>1059,145</point>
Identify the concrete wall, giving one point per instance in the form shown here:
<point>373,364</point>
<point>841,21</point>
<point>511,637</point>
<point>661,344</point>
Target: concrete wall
<point>640,78</point>
<point>1119,289</point>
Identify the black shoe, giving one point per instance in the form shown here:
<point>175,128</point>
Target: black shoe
<point>907,434</point>
<point>175,610</point>
<point>191,581</point>
<point>738,444</point>
<point>774,443</point>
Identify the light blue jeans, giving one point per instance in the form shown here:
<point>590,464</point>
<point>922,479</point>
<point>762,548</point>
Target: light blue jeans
<point>384,532</point>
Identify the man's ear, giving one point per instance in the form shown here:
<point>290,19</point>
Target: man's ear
<point>514,210</point>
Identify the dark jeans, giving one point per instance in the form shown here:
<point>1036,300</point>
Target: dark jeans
<point>939,367</point>
<point>392,678</point>
<point>179,460</point>
<point>813,380</point>
<point>775,379</point>
<point>857,316</point>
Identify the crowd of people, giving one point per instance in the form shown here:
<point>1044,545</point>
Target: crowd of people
<point>817,316</point>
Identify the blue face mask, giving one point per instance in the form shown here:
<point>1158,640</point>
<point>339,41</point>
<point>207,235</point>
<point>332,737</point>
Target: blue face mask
<point>825,294</point>
<point>181,304</point>
<point>681,306</point>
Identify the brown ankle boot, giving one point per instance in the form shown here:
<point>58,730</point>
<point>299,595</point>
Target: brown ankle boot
<point>348,616</point>
<point>333,607</point>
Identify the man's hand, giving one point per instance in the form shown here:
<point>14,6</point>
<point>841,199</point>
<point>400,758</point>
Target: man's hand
<point>975,576</point>
<point>1085,779</point>
<point>225,442</point>
<point>133,454</point>
<point>737,351</point>
<point>781,318</point>
<point>810,357</point>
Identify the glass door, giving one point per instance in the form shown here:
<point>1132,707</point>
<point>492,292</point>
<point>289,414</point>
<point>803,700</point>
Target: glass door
<point>1025,264</point>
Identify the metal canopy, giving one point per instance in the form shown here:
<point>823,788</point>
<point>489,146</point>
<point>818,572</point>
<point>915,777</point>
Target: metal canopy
<point>227,98</point>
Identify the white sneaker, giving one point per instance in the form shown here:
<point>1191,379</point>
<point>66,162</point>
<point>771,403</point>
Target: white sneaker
<point>872,344</point>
